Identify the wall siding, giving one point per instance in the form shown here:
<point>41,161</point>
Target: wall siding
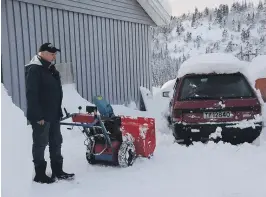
<point>127,10</point>
<point>108,56</point>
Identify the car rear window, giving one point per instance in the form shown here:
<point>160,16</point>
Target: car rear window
<point>215,87</point>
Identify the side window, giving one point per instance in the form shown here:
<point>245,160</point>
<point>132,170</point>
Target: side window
<point>176,85</point>
<point>173,93</point>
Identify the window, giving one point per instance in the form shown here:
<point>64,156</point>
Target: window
<point>215,87</point>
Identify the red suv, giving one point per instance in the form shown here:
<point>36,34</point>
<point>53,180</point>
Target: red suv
<point>215,106</point>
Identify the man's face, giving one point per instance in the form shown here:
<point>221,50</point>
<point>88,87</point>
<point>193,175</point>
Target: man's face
<point>48,56</point>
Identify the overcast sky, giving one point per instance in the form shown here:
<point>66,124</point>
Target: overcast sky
<point>183,6</point>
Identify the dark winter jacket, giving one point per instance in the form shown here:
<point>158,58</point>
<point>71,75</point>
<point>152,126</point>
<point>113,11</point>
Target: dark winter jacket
<point>43,91</point>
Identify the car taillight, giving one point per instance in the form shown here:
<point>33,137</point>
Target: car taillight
<point>257,109</point>
<point>177,115</point>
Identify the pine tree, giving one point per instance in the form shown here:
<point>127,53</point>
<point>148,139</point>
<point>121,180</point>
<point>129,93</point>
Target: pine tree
<point>245,6</point>
<point>250,5</point>
<point>161,53</point>
<point>248,34</point>
<point>184,58</point>
<point>262,39</point>
<point>193,20</point>
<point>210,18</point>
<point>233,25</point>
<point>165,32</point>
<point>156,44</point>
<point>260,6</point>
<point>166,52</point>
<point>227,10</point>
<point>229,47</point>
<point>249,18</point>
<point>199,15</point>
<point>224,9</point>
<point>219,17</point>
<point>184,16</point>
<point>188,37</point>
<point>198,41</point>
<point>175,49</point>
<point>221,9</point>
<point>238,26</point>
<point>236,7</point>
<point>233,7</point>
<point>179,29</point>
<point>245,35</point>
<point>196,12</point>
<point>225,35</point>
<point>206,11</point>
<point>216,46</point>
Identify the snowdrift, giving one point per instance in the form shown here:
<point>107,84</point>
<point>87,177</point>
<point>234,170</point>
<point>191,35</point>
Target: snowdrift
<point>17,166</point>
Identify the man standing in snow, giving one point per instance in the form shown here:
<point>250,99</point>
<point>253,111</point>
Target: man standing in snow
<point>44,98</point>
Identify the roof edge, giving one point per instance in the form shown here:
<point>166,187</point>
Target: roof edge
<point>156,11</point>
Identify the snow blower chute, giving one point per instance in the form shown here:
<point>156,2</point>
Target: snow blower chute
<point>112,139</point>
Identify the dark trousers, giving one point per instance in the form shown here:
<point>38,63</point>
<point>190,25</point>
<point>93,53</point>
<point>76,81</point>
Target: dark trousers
<point>42,135</point>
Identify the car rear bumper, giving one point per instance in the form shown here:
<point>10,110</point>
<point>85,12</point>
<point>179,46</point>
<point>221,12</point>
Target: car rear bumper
<point>225,132</point>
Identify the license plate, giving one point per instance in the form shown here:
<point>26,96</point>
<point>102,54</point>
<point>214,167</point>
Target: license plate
<point>222,114</point>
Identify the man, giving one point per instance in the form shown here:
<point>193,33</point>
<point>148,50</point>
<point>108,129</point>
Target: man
<point>44,98</point>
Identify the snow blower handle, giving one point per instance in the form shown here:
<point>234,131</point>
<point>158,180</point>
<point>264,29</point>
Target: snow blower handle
<point>67,114</point>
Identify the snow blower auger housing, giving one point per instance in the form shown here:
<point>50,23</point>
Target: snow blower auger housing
<point>110,139</point>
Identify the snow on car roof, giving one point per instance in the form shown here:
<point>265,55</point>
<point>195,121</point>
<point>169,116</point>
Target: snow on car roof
<point>219,63</point>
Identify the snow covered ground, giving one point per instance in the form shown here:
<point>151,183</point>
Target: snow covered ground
<point>216,170</point>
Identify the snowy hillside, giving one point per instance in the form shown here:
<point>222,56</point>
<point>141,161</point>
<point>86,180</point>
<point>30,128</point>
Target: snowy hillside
<point>239,29</point>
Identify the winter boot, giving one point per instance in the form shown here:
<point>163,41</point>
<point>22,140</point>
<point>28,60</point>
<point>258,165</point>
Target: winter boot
<point>41,176</point>
<point>57,172</point>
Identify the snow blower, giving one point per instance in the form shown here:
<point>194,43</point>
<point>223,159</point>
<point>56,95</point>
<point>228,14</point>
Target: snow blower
<point>111,139</point>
